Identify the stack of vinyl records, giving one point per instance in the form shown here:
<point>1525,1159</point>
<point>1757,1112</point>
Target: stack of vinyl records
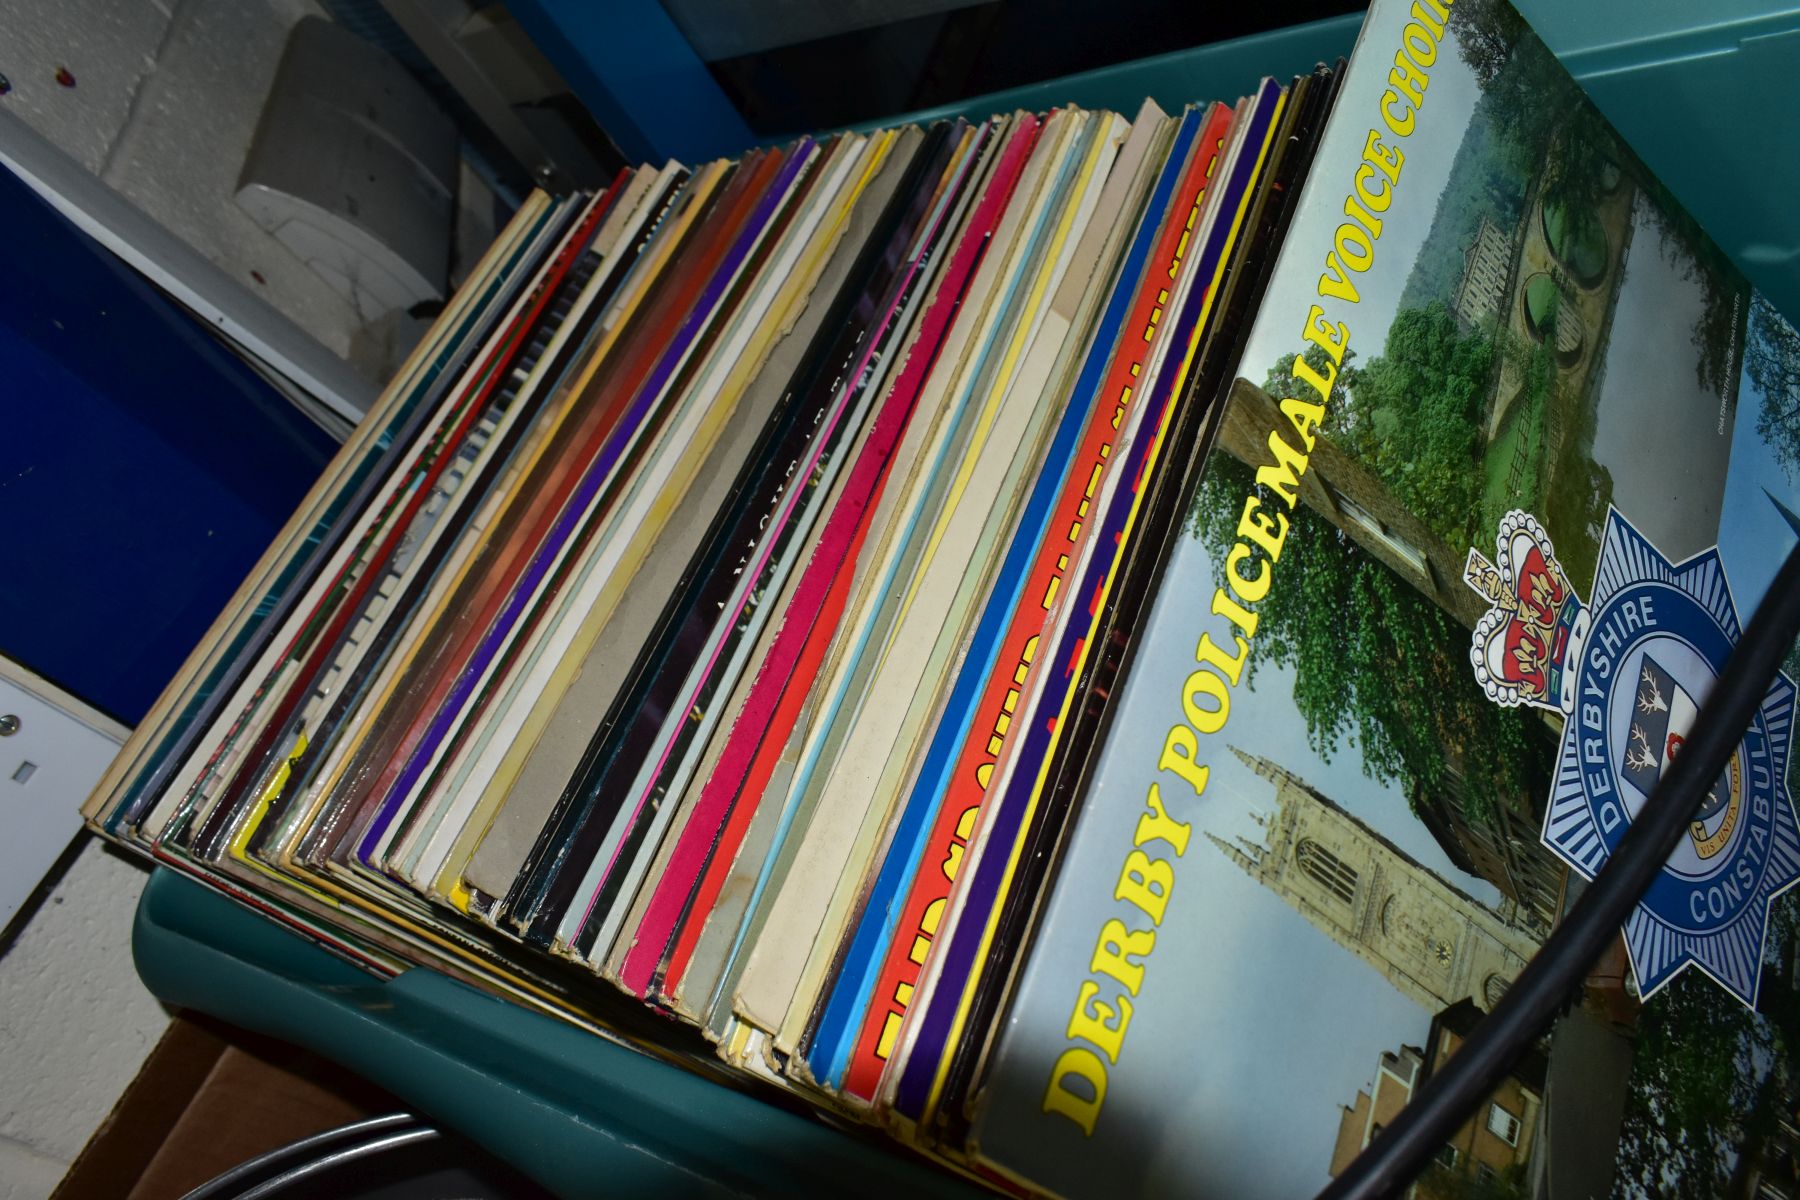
<point>1097,646</point>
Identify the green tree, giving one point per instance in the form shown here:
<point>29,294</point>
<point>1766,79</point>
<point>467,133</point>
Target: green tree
<point>1545,121</point>
<point>1282,382</point>
<point>1576,502</point>
<point>1438,1183</point>
<point>1486,31</point>
<point>1772,360</point>
<point>1547,125</point>
<point>1374,661</point>
<point>1414,418</point>
<point>1481,186</point>
<point>1688,1082</point>
<point>1709,1078</point>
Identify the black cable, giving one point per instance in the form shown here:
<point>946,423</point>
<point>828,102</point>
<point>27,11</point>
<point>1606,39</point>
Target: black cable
<point>1397,1155</point>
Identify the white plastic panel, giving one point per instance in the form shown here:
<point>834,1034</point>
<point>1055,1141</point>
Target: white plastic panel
<point>48,764</point>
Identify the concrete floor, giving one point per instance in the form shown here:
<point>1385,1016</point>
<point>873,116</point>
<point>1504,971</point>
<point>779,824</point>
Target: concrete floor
<point>75,1022</point>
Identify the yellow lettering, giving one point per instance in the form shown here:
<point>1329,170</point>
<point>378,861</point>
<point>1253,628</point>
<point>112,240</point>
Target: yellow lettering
<point>1204,683</point>
<point>1322,384</point>
<point>1388,159</point>
<point>1304,416</point>
<point>1408,78</point>
<point>953,859</point>
<point>1098,1022</point>
<point>1336,282</point>
<point>1117,946</point>
<point>1400,125</point>
<point>1420,43</point>
<point>1429,20</point>
<point>1178,755</point>
<point>1084,1066</point>
<point>1250,591</point>
<point>1282,476</point>
<point>1210,653</point>
<point>965,824</point>
<point>1375,199</point>
<point>1146,882</point>
<point>890,1032</point>
<point>934,914</point>
<point>1353,208</point>
<point>1223,605</point>
<point>1100,1019</point>
<point>1266,529</point>
<point>1328,337</point>
<point>1157,823</point>
<point>1354,249</point>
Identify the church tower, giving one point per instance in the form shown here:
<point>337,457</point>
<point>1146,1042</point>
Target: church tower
<point>1432,941</point>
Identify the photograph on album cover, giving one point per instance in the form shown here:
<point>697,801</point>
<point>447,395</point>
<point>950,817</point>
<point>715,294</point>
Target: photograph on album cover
<point>1544,330</point>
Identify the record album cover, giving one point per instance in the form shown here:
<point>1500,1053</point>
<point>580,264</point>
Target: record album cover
<point>1509,457</point>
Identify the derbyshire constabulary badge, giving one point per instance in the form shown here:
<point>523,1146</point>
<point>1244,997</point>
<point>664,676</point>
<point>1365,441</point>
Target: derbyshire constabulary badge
<point>1628,672</point>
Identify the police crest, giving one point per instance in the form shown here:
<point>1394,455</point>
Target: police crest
<point>1628,672</point>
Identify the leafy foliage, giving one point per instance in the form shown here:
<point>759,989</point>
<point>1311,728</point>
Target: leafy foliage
<point>1374,661</point>
<point>1710,1077</point>
<point>1542,121</point>
<point>1440,1184</point>
<point>1687,1084</point>
<point>1580,492</point>
<point>1414,418</point>
<point>1282,382</point>
<point>1772,360</point>
<point>1537,120</point>
<point>1482,183</point>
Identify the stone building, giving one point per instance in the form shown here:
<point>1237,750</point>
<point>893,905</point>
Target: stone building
<point>1509,854</point>
<point>1397,1075</point>
<point>1487,266</point>
<point>1772,1170</point>
<point>1349,495</point>
<point>1432,941</point>
<point>1500,1136</point>
<point>1496,1142</point>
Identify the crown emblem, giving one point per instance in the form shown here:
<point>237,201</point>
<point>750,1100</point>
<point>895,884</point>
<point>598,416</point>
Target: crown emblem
<point>1534,624</point>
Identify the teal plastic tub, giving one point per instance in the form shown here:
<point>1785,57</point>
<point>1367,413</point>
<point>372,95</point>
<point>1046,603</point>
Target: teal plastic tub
<point>1710,100</point>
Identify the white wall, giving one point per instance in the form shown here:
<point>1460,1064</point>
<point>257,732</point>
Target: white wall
<point>166,99</point>
<point>75,1022</point>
